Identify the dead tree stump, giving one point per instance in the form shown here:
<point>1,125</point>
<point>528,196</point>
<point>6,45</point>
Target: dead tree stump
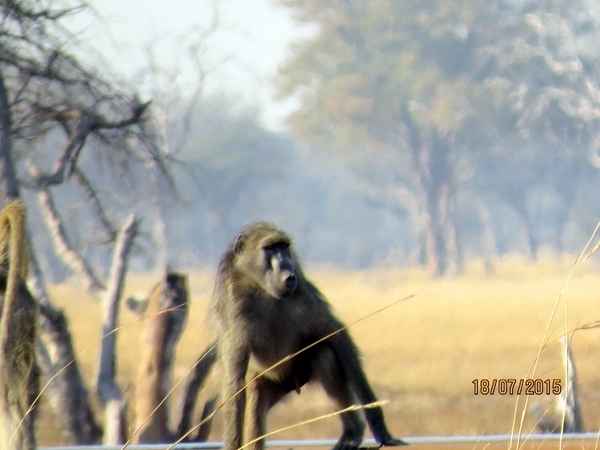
<point>166,313</point>
<point>569,407</point>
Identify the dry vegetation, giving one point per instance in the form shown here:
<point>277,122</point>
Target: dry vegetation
<point>421,354</point>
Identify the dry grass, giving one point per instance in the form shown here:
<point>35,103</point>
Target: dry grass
<point>421,354</point>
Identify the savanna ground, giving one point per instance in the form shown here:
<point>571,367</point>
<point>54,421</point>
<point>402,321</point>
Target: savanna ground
<point>421,354</point>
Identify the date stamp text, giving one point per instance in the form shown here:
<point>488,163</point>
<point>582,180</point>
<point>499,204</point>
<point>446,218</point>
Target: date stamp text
<point>512,386</point>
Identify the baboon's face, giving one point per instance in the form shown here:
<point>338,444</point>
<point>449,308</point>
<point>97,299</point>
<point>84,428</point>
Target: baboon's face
<point>279,269</point>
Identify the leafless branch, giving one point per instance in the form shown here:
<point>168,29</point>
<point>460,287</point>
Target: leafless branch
<point>106,387</point>
<point>62,244</point>
<point>67,159</point>
<point>96,205</point>
<point>19,10</point>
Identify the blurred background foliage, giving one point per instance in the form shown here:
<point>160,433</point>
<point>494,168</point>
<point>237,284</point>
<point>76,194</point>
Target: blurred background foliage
<point>423,132</point>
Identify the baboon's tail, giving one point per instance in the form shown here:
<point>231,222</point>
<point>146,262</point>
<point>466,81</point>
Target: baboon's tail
<point>197,378</point>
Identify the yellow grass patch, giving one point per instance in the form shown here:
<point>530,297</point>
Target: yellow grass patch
<point>422,354</point>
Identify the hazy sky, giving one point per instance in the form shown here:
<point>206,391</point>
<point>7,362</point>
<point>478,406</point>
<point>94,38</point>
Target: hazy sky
<point>251,40</point>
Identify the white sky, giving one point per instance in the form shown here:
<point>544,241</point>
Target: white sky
<point>250,43</point>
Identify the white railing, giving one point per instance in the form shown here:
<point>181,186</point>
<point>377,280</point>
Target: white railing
<point>330,442</point>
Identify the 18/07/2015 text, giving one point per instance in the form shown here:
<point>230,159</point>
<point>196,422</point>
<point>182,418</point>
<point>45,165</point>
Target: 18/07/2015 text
<point>511,386</point>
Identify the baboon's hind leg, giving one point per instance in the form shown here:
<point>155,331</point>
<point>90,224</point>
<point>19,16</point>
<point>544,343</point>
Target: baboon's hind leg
<point>262,395</point>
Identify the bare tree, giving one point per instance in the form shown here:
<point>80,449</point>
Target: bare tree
<point>47,94</point>
<point>435,185</point>
<point>109,139</point>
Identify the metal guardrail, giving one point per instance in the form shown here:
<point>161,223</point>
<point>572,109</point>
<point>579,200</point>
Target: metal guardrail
<point>367,443</point>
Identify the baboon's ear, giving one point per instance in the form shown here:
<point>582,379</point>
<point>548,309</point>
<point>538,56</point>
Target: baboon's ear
<point>238,246</point>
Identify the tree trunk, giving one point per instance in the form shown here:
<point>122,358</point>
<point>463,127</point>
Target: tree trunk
<point>566,191</point>
<point>517,201</point>
<point>106,386</point>
<point>68,393</point>
<point>9,185</point>
<point>434,184</point>
<point>529,236</point>
<point>166,314</point>
<point>490,245</point>
<point>64,248</point>
<point>456,260</point>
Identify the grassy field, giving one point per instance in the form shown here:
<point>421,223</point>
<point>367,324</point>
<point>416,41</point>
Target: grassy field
<point>421,354</point>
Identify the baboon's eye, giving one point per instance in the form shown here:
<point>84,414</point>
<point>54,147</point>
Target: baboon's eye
<point>277,246</point>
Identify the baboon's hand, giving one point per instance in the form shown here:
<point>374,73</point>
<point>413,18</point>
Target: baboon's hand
<point>345,445</point>
<point>391,442</point>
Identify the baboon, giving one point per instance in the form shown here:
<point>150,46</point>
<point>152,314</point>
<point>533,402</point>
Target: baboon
<point>18,370</point>
<point>265,309</point>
